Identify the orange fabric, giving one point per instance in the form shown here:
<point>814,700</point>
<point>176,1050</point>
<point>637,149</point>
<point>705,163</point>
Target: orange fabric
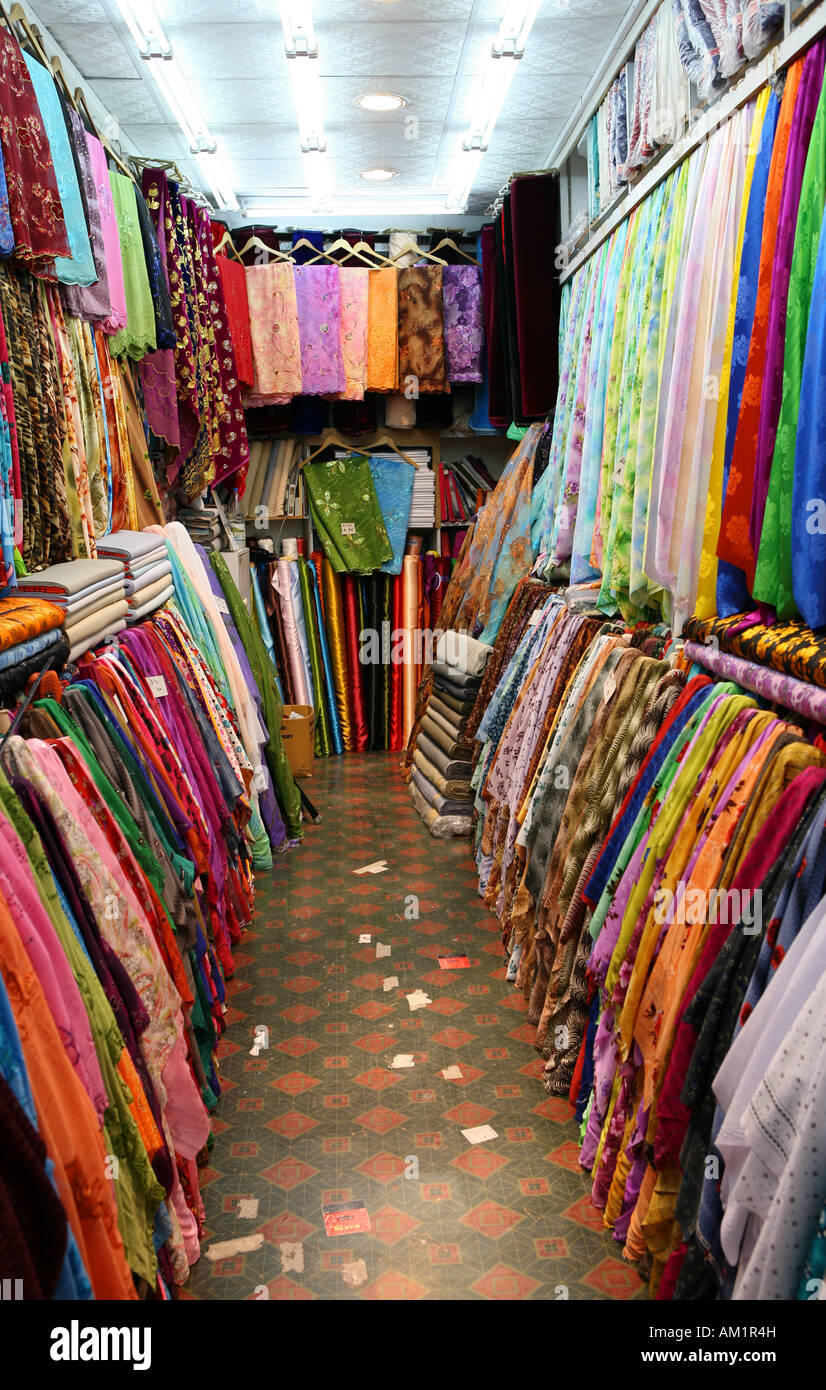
<point>734,543</point>
<point>383,330</point>
<point>67,1123</point>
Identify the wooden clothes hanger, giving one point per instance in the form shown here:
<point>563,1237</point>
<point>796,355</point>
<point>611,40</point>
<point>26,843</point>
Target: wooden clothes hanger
<point>448,241</point>
<point>276,255</point>
<point>331,438</point>
<point>83,109</point>
<point>340,245</point>
<point>227,239</point>
<point>419,254</point>
<point>361,246</point>
<point>17,15</point>
<point>60,79</point>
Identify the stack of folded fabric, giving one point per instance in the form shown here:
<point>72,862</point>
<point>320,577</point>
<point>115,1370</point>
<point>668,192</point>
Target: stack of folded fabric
<point>442,768</point>
<point>203,525</point>
<point>148,572</point>
<point>90,595</point>
<point>30,638</point>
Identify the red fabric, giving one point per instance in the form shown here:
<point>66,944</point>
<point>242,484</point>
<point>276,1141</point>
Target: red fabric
<point>34,202</point>
<point>396,672</point>
<point>672,1115</point>
<point>352,626</point>
<point>234,283</point>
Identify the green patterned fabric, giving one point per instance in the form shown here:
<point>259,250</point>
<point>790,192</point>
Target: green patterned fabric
<point>289,797</point>
<point>346,514</point>
<point>138,337</point>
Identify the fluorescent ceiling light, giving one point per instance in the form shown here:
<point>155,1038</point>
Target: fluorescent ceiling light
<point>318,179</point>
<point>465,169</point>
<point>145,27</point>
<point>302,51</point>
<point>184,107</point>
<point>380,101</point>
<point>379,175</point>
<point>218,180</point>
<point>297,24</point>
<point>508,47</point>
<point>516,25</point>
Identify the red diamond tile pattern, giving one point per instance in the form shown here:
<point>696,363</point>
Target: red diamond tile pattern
<point>320,1117</point>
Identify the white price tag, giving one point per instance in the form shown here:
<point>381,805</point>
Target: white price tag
<point>222,605</point>
<point>348,528</point>
<point>536,618</point>
<point>156,684</point>
<point>610,688</point>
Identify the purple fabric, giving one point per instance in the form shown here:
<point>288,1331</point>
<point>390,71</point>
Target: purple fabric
<point>808,95</point>
<point>317,293</point>
<point>464,322</point>
<point>270,815</point>
<point>804,699</point>
<point>88,301</point>
<point>157,369</point>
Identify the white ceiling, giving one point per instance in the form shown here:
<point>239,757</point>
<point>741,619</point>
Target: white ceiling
<point>431,52</point>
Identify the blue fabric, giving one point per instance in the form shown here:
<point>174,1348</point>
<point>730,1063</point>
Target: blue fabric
<point>732,591</point>
<point>24,650</point>
<point>393,481</point>
<point>6,229</point>
<point>79,268</point>
<point>809,485</point>
<point>332,707</point>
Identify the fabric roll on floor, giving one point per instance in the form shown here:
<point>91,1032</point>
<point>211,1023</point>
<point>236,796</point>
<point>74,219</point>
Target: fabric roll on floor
<point>301,628</point>
<point>445,741</point>
<point>396,670</point>
<point>298,679</point>
<point>442,805</point>
<point>327,666</point>
<point>336,638</point>
<point>369,649</point>
<point>410,577</point>
<point>455,788</point>
<point>352,628</point>
<point>440,827</point>
<point>385,677</point>
<point>323,742</point>
<point>448,723</point>
<point>451,768</point>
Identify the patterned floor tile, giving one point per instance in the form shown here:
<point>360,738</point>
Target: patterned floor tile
<point>320,1117</point>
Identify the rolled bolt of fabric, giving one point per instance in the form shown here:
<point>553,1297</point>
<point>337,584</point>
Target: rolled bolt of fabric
<point>396,671</point>
<point>281,581</point>
<point>410,576</point>
<point>334,624</point>
<point>352,629</point>
<point>322,726</point>
<point>329,683</point>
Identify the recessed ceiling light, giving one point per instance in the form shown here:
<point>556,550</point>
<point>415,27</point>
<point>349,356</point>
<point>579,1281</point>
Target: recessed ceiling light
<point>380,101</point>
<point>380,175</point>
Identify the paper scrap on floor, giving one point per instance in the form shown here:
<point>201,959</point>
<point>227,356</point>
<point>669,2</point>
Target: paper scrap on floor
<point>418,999</point>
<point>452,1073</point>
<point>354,1274</point>
<point>390,982</point>
<point>480,1134</point>
<point>345,1218</point>
<point>244,1245</point>
<point>382,951</point>
<point>292,1256</point>
<point>379,866</point>
<point>247,1208</point>
<point>402,1059</point>
<point>365,939</point>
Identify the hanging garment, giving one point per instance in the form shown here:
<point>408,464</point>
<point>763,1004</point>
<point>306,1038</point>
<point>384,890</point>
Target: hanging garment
<point>346,514</point>
<point>421,330</point>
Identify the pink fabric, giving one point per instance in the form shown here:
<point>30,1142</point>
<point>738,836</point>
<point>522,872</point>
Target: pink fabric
<point>355,288</point>
<point>111,237</point>
<point>318,298</point>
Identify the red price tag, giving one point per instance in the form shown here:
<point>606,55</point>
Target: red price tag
<point>346,1218</point>
<point>454,963</point>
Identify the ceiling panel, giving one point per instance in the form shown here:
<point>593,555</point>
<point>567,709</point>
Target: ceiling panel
<point>432,52</point>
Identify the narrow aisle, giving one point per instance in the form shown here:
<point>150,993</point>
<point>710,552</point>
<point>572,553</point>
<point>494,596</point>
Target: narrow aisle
<point>318,1117</point>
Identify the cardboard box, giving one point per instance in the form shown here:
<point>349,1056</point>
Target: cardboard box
<point>297,733</point>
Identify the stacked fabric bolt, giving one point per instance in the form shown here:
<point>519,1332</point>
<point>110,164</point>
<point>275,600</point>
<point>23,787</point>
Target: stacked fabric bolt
<point>440,787</point>
<point>148,572</point>
<point>90,595</point>
<point>203,525</point>
<point>30,636</point>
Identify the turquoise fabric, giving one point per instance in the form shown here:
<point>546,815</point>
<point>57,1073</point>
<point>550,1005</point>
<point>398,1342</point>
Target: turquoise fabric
<point>80,269</point>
